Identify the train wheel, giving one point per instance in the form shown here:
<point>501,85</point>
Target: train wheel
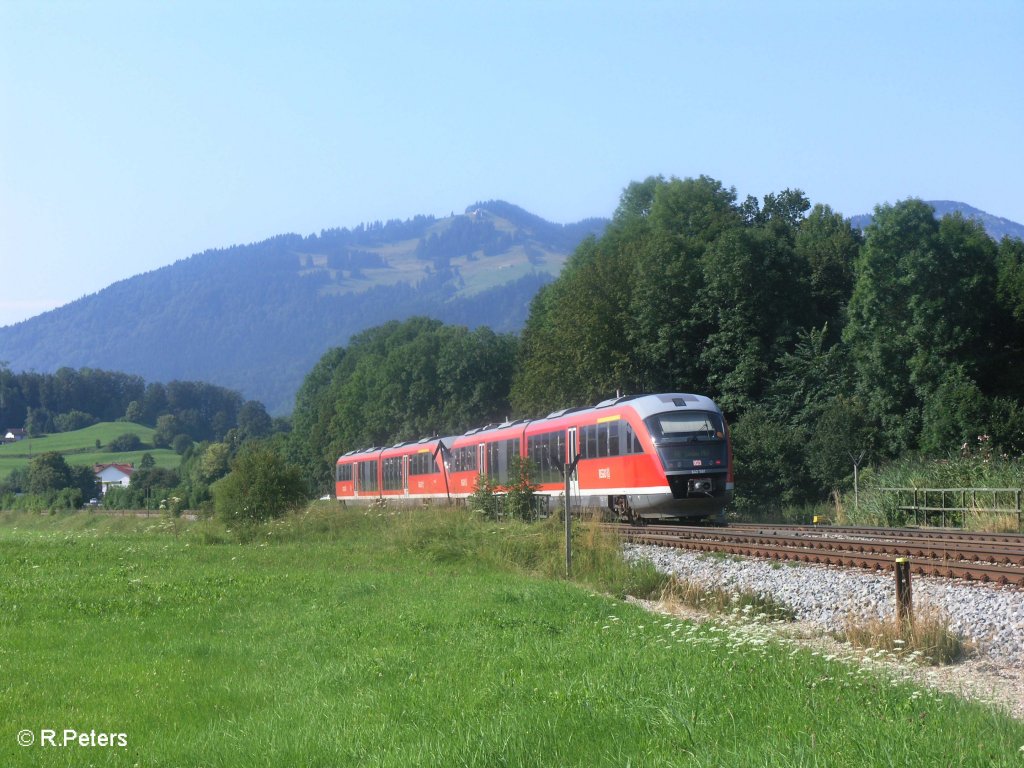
<point>625,512</point>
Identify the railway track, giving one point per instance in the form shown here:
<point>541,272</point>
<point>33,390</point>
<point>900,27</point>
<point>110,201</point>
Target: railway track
<point>991,558</point>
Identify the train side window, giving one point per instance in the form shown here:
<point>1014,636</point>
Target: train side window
<point>631,443</point>
<point>367,475</point>
<point>589,442</point>
<point>344,473</point>
<point>422,464</point>
<point>602,440</point>
<point>514,453</point>
<point>611,437</point>
<point>464,459</point>
<point>393,474</point>
<point>547,454</point>
<point>500,454</point>
<point>493,460</point>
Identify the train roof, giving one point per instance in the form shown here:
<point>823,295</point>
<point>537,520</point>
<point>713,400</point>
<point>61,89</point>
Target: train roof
<point>445,441</point>
<point>644,405</point>
<point>648,405</point>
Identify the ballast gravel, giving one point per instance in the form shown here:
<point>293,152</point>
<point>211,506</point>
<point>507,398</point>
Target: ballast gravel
<point>990,616</point>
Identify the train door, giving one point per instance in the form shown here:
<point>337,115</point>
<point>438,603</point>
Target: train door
<point>574,479</point>
<point>405,475</point>
<point>481,459</point>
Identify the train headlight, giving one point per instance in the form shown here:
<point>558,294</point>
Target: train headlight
<point>699,486</point>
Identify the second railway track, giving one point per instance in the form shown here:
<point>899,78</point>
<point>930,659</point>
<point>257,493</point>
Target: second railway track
<point>991,558</point>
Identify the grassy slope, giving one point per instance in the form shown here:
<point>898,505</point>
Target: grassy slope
<point>79,447</point>
<point>479,273</point>
<point>369,641</point>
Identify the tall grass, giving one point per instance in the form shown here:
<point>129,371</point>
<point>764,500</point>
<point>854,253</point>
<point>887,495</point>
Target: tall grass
<point>927,638</point>
<point>745,604</point>
<point>460,536</point>
<point>972,470</point>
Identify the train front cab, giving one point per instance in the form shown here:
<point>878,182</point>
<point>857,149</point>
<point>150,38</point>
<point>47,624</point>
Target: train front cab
<point>652,457</point>
<point>690,439</point>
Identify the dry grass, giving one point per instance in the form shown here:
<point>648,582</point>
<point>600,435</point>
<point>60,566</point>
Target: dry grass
<point>995,522</point>
<point>927,638</point>
<point>718,600</point>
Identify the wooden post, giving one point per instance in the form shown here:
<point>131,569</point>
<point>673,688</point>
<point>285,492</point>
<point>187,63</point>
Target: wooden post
<point>569,469</point>
<point>904,596</point>
<point>568,522</point>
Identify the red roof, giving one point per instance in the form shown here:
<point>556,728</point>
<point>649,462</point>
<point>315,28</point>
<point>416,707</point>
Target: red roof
<point>125,468</point>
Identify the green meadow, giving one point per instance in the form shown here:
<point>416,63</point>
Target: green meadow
<point>79,447</point>
<point>429,638</point>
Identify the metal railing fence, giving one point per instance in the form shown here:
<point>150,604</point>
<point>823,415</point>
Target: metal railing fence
<point>952,506</point>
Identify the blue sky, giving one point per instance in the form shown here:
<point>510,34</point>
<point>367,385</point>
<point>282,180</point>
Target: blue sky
<point>134,134</point>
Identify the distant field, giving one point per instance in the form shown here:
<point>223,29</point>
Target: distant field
<point>79,447</point>
<point>348,638</point>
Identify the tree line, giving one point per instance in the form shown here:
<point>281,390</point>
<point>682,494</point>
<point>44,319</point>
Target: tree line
<point>70,399</point>
<point>824,344</point>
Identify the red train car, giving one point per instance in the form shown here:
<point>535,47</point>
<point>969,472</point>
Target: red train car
<point>406,471</point>
<point>662,456</point>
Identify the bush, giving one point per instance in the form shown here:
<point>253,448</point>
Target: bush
<point>484,500</point>
<point>520,493</point>
<point>124,443</point>
<point>74,420</point>
<point>259,487</point>
<point>181,443</point>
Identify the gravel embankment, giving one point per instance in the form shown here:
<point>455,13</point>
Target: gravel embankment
<point>991,617</point>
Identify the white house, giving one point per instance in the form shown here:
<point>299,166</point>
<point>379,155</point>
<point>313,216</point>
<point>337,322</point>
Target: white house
<point>113,474</point>
<point>13,435</point>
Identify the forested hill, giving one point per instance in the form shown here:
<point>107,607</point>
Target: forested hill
<point>257,317</point>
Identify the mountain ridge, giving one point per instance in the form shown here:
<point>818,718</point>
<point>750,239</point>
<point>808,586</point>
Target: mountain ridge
<point>257,317</point>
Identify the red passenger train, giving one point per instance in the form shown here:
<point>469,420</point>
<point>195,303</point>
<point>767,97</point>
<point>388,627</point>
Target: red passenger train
<point>663,456</point>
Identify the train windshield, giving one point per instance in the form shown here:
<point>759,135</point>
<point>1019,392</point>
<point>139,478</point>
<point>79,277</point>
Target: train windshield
<point>686,425</point>
<point>689,441</point>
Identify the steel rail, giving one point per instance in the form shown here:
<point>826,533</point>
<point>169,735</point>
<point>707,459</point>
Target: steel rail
<point>850,554</point>
<point>903,533</point>
<point>935,549</point>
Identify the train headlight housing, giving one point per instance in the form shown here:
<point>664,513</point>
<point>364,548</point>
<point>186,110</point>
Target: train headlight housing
<point>701,485</point>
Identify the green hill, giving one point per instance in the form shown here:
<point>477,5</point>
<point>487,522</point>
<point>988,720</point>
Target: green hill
<point>79,447</point>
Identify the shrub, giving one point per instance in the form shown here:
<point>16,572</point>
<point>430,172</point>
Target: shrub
<point>74,420</point>
<point>259,487</point>
<point>181,443</point>
<point>124,443</point>
<point>484,500</point>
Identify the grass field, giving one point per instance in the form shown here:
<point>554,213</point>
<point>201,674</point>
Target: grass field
<point>349,638</point>
<point>79,447</point>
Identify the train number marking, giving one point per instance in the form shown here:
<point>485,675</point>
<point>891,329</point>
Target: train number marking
<point>604,473</point>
